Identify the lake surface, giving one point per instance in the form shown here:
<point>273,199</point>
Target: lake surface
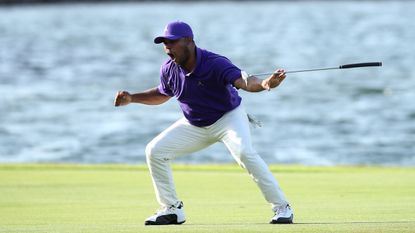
<point>61,65</point>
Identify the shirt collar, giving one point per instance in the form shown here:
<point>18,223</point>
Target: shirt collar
<point>198,61</point>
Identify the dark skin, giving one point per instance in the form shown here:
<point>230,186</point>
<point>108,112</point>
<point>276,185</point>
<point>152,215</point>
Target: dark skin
<point>183,53</point>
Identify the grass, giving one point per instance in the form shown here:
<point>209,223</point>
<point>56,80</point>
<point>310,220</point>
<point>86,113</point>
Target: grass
<point>217,198</point>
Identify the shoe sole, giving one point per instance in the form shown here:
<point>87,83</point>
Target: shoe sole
<point>151,223</point>
<point>283,220</point>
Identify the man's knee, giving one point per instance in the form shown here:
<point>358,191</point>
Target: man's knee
<point>155,151</point>
<point>150,151</point>
<point>247,154</point>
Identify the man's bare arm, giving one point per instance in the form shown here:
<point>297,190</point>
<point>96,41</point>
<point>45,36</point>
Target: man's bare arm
<point>254,84</point>
<point>150,97</point>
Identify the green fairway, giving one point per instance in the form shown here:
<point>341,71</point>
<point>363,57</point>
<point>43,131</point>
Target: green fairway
<point>217,198</point>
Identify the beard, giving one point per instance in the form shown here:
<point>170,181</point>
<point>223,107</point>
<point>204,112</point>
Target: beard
<point>182,61</point>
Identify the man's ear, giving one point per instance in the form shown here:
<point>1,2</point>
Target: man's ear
<point>189,39</point>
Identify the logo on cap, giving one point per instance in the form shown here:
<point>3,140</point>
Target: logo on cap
<point>175,30</point>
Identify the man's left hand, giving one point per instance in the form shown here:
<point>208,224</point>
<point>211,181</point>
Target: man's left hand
<point>274,80</point>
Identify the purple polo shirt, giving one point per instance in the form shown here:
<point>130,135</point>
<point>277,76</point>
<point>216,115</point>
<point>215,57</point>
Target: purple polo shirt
<point>207,93</point>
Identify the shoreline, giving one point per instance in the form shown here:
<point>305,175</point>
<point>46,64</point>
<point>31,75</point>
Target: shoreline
<point>213,167</point>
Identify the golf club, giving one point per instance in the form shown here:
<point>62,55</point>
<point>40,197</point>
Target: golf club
<point>345,66</point>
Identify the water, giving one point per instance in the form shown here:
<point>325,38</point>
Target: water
<point>60,66</point>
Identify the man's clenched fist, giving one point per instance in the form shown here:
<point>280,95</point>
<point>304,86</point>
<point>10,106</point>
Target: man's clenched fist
<point>122,98</point>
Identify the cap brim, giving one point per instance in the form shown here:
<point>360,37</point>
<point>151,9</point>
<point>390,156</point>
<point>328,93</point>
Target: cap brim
<point>160,39</point>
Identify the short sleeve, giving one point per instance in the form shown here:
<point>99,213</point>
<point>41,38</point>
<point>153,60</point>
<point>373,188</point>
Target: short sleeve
<point>164,87</point>
<point>228,72</point>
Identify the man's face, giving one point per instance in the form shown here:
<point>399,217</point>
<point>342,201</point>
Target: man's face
<point>178,50</point>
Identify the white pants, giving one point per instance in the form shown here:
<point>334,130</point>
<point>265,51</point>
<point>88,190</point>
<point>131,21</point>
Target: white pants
<point>183,138</point>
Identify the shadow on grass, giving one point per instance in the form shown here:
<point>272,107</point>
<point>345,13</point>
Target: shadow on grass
<point>355,222</point>
<point>306,223</point>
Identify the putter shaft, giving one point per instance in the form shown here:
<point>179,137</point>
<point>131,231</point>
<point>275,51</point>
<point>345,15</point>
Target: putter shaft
<point>346,66</point>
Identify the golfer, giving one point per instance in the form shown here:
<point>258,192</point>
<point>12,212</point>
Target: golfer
<point>206,87</point>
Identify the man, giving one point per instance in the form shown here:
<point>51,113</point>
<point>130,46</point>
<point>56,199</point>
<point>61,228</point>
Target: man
<point>205,85</point>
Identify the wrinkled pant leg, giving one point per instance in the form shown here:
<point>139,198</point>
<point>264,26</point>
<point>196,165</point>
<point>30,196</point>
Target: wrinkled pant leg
<point>235,134</point>
<point>179,139</point>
